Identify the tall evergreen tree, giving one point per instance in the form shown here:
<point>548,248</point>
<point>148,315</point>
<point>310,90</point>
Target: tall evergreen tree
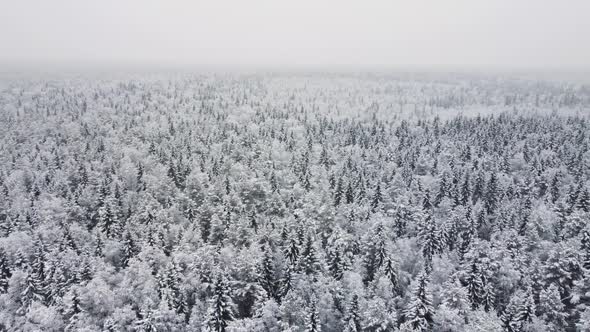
<point>266,274</point>
<point>292,252</point>
<point>309,263</point>
<point>352,320</point>
<point>313,323</point>
<point>430,240</point>
<point>5,272</point>
<point>335,264</point>
<point>492,194</point>
<point>221,312</point>
<point>391,274</point>
<point>419,312</point>
<point>585,249</point>
<point>474,284</point>
<point>129,248</point>
<point>377,198</point>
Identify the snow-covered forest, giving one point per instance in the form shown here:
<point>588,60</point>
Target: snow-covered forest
<point>293,202</point>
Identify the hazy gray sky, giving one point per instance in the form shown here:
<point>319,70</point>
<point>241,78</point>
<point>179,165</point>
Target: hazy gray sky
<point>458,33</point>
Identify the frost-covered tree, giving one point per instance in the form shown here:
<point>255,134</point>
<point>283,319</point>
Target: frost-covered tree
<point>220,307</point>
<point>419,311</point>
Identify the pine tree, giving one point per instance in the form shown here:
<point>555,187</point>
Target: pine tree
<point>313,318</point>
<point>527,309</point>
<point>67,241</point>
<point>478,188</point>
<point>33,291</point>
<point>465,190</point>
<point>335,264</point>
<point>98,248</point>
<point>420,311</point>
<point>572,198</point>
<point>375,255</point>
<point>474,284</point>
<point>309,262</point>
<point>430,241</point>
<point>85,269</point>
<point>266,274</point>
<point>253,221</point>
<point>169,288</point>
<point>488,295</point>
<point>426,204</point>
<point>286,282</point>
<point>5,272</point>
<point>292,252</point>
<point>57,282</point>
<point>352,320</point>
<point>274,183</point>
<point>73,309</point>
<point>221,312</point>
<point>442,189</point>
<point>377,198</point>
<point>391,274</point>
<point>349,195</point>
<point>108,218</point>
<point>465,245</point>
<point>38,274</point>
<point>563,268</point>
<point>585,250</point>
<point>583,202</point>
<point>338,193</point>
<point>491,196</point>
<point>129,249</point>
<point>324,158</point>
<point>139,178</point>
<point>147,322</point>
<point>551,308</point>
<point>554,189</point>
<point>562,216</point>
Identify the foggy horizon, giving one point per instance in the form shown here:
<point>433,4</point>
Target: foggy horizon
<point>455,35</point>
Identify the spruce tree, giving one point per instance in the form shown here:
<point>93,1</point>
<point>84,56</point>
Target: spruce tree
<point>583,202</point>
<point>526,311</point>
<point>391,274</point>
<point>349,195</point>
<point>420,311</point>
<point>585,249</point>
<point>313,323</point>
<point>554,189</point>
<point>274,183</point>
<point>266,274</point>
<point>309,261</point>
<point>292,252</point>
<point>339,192</point>
<point>221,312</point>
<point>335,264</point>
<point>33,291</point>
<point>474,284</point>
<point>352,320</point>
<point>129,249</point>
<point>286,282</point>
<point>430,240</point>
<point>375,255</point>
<point>491,195</point>
<point>465,190</point>
<point>5,272</point>
<point>551,309</point>
<point>377,198</point>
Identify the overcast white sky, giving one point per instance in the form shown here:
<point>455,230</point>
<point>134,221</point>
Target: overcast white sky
<point>451,33</point>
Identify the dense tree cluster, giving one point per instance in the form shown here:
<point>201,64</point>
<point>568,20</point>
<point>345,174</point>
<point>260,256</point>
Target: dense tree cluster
<point>294,203</point>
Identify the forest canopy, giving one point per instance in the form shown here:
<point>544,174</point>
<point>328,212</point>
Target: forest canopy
<point>321,202</point>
